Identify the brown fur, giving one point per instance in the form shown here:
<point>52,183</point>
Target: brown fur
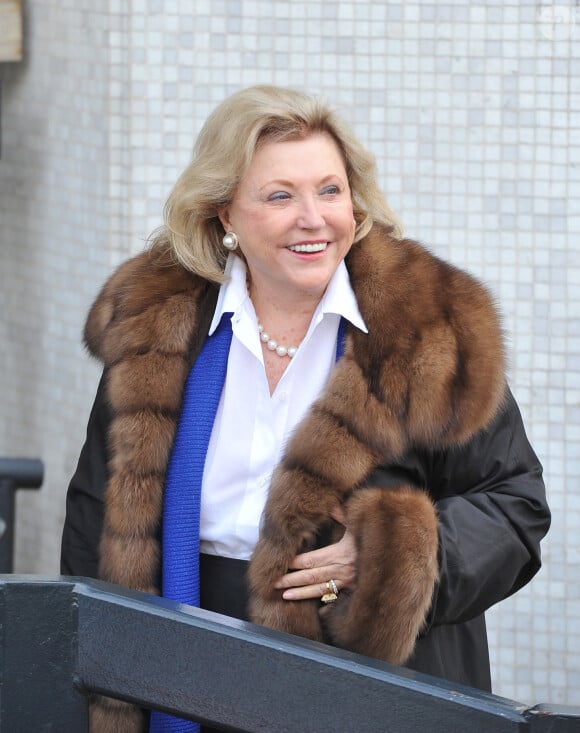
<point>430,373</point>
<point>396,538</point>
<point>113,716</point>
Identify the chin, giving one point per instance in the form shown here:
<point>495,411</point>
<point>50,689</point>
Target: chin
<point>314,284</point>
<point>314,290</point>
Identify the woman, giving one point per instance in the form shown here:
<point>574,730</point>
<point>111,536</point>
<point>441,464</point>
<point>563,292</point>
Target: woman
<point>306,412</point>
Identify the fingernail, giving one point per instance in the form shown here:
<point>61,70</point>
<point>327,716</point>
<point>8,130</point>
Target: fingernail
<point>288,595</point>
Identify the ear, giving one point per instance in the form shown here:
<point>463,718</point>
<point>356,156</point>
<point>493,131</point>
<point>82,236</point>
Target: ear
<point>224,217</point>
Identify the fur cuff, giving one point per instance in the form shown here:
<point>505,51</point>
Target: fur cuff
<point>397,567</point>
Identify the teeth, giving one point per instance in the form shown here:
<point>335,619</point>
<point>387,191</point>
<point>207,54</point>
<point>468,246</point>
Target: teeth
<point>318,247</point>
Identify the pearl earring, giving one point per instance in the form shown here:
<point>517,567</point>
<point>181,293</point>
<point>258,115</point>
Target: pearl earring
<point>230,241</point>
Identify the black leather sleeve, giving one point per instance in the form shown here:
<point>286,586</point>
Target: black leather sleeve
<point>493,513</point>
<point>85,497</point>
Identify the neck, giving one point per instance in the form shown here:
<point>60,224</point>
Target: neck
<point>282,329</point>
<point>287,326</point>
<point>274,309</point>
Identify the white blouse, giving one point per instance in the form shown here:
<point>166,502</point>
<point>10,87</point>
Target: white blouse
<point>252,427</point>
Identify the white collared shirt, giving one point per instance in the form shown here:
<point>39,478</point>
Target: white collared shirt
<point>252,427</point>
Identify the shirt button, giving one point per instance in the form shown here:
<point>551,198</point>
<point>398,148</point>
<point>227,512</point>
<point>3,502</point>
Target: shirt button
<point>283,396</point>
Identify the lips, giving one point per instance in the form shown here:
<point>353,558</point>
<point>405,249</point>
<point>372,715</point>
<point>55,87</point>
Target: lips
<point>308,248</point>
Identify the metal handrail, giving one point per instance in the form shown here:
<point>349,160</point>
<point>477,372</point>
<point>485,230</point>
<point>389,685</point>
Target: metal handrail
<point>15,473</point>
<point>63,639</point>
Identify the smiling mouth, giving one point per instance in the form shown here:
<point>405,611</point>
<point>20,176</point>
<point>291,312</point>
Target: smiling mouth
<point>316,247</point>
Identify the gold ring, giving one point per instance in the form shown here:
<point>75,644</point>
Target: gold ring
<point>331,592</point>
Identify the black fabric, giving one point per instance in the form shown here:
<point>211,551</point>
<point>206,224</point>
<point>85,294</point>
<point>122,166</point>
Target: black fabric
<point>223,587</point>
<point>465,645</point>
<point>85,497</point>
<point>492,511</point>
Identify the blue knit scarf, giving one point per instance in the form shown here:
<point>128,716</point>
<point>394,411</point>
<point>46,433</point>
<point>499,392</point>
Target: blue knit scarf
<point>182,496</point>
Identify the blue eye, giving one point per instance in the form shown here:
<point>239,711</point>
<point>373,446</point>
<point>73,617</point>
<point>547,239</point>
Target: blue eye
<point>278,196</point>
<point>332,190</point>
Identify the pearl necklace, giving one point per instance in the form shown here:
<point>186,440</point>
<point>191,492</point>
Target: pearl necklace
<point>273,345</point>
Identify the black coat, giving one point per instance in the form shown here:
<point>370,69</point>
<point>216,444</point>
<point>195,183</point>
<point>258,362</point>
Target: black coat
<point>493,514</point>
<point>431,378</point>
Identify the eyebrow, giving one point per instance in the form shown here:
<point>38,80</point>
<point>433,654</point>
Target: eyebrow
<point>290,184</point>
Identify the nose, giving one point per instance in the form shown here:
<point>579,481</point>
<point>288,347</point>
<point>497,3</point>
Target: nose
<point>309,216</point>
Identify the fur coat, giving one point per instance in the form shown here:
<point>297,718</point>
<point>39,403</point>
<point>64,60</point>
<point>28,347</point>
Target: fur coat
<point>429,374</point>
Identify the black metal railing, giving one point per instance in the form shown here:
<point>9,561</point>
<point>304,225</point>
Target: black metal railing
<point>15,473</point>
<point>62,639</point>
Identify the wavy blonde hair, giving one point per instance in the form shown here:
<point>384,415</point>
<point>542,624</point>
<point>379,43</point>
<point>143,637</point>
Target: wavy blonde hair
<point>222,154</point>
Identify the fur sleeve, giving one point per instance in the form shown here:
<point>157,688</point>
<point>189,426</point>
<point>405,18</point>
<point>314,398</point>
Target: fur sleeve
<point>396,538</point>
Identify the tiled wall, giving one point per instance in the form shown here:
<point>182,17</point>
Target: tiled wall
<point>473,112</point>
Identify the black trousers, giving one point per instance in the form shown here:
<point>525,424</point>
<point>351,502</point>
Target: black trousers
<point>223,589</point>
<point>223,586</point>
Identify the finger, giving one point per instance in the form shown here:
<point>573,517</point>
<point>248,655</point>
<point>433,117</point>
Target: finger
<point>337,554</point>
<point>314,558</point>
<point>309,591</point>
<point>339,515</point>
<point>317,576</point>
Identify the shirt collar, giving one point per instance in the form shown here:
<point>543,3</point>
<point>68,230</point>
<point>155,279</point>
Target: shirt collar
<point>233,292</point>
<point>339,297</point>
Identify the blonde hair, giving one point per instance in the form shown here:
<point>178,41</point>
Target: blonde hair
<point>222,154</point>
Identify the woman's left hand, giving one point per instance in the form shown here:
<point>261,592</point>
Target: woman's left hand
<point>312,570</point>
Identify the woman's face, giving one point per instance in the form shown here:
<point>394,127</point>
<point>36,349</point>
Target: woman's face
<point>293,216</point>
